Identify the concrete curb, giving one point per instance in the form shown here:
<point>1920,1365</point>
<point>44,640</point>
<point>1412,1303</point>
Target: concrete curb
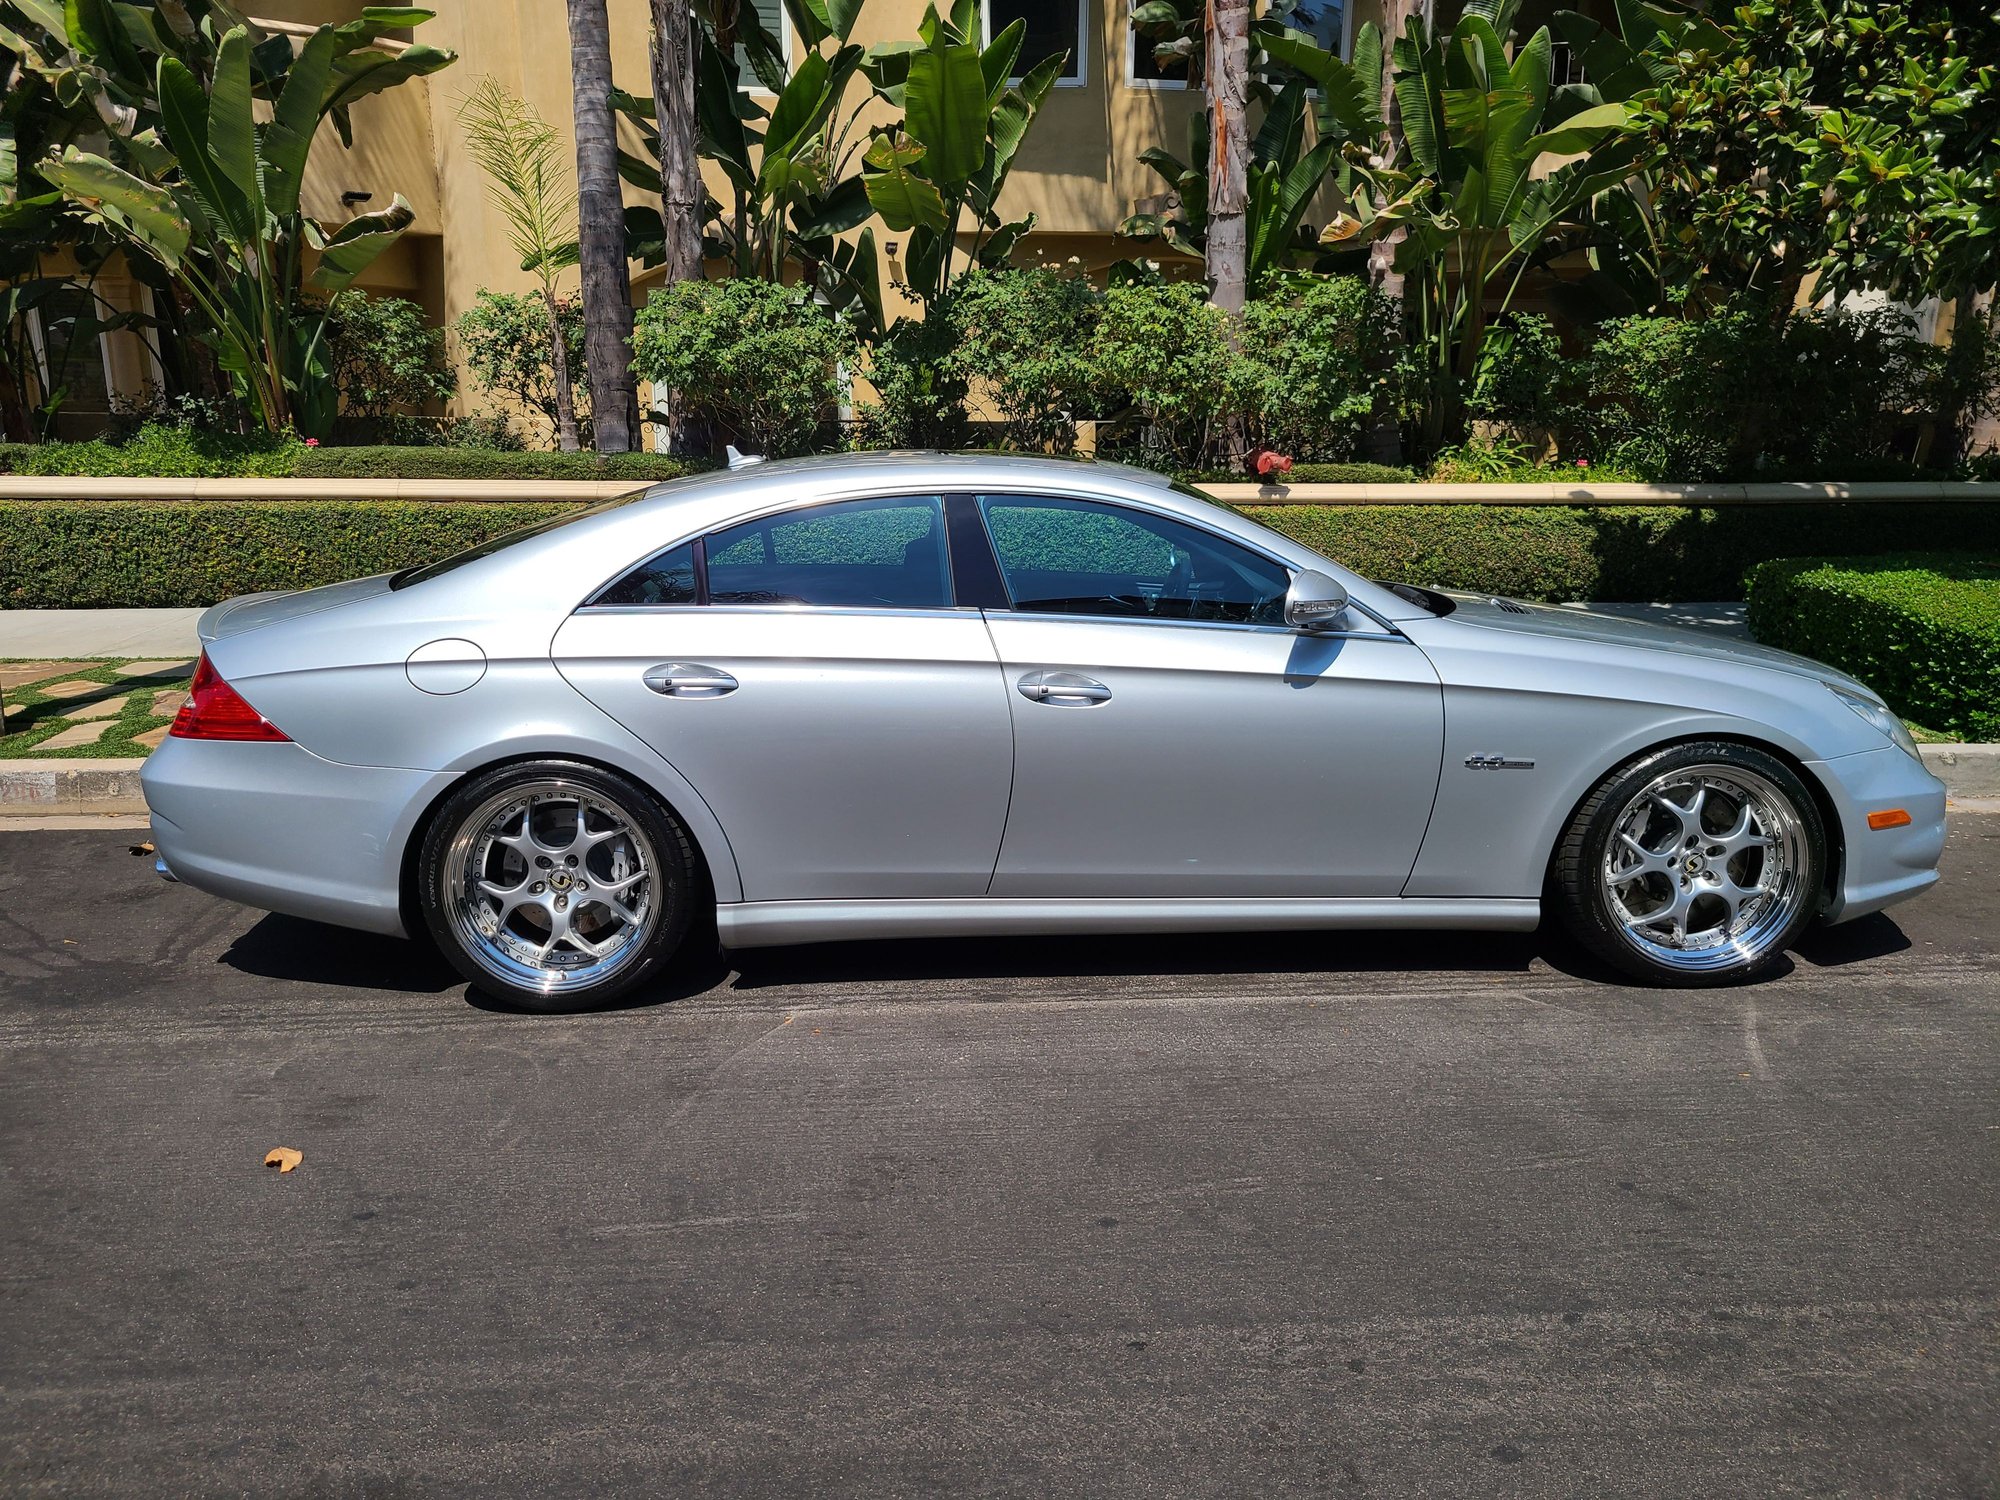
<point>46,788</point>
<point>1968,770</point>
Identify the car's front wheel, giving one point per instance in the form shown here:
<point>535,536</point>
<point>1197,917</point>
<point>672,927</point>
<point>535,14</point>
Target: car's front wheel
<point>1694,865</point>
<point>555,885</point>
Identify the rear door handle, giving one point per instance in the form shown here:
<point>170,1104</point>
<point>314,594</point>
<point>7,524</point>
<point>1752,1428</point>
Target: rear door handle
<point>687,679</point>
<point>1063,689</point>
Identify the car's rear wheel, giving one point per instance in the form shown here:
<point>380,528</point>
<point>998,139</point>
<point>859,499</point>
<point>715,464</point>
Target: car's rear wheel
<point>555,885</point>
<point>1694,865</point>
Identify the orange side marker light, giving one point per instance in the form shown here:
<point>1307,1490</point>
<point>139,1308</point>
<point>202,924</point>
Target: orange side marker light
<point>1894,817</point>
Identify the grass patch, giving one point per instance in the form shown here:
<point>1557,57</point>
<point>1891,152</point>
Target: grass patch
<point>35,716</point>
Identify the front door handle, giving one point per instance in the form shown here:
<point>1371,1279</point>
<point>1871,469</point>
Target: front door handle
<point>687,679</point>
<point>1063,689</point>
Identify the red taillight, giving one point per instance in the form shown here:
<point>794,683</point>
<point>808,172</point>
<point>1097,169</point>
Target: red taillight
<point>216,711</point>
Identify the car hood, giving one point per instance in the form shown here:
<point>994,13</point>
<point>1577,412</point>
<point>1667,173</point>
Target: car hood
<point>253,611</point>
<point>1615,630</point>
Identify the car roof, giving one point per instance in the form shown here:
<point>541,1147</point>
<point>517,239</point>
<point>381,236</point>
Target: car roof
<point>594,549</point>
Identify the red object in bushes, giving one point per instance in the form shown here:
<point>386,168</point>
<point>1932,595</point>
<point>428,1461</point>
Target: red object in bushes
<point>1267,462</point>
<point>216,711</point>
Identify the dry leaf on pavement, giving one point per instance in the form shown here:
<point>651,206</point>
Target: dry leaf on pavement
<point>284,1158</point>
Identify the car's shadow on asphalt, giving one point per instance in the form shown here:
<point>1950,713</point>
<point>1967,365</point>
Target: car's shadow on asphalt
<point>290,948</point>
<point>293,948</point>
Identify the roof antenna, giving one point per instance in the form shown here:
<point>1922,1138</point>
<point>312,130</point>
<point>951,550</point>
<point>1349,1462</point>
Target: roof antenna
<point>742,460</point>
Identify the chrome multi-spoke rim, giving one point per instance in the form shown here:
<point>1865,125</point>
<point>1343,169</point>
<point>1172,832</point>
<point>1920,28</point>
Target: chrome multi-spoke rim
<point>1705,867</point>
<point>551,886</point>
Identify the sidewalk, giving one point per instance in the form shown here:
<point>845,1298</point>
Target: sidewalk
<point>51,633</point>
<point>37,634</point>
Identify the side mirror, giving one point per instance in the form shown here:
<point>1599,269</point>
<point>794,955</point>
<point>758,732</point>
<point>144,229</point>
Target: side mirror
<point>1314,602</point>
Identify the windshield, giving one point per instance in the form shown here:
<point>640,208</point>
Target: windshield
<point>505,540</point>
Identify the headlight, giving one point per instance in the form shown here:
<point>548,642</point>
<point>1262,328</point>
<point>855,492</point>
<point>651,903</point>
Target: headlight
<point>1892,728</point>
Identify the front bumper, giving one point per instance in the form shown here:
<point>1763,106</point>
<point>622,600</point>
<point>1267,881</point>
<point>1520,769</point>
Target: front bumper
<point>1882,866</point>
<point>278,828</point>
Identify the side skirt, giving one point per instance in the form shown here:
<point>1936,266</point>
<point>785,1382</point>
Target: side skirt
<point>768,924</point>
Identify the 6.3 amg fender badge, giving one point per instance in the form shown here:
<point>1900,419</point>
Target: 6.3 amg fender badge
<point>1497,763</point>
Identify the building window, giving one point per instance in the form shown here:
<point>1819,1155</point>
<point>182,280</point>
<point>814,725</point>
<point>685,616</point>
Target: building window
<point>65,338</point>
<point>1143,69</point>
<point>1052,26</point>
<point>1324,21</point>
<point>1565,66</point>
<point>770,14</point>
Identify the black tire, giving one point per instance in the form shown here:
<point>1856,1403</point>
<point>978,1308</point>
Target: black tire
<point>1582,877</point>
<point>663,848</point>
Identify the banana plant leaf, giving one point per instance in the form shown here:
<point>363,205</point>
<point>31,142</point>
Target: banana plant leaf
<point>295,119</point>
<point>946,111</point>
<point>352,248</point>
<point>846,207</point>
<point>184,110</point>
<point>996,63</point>
<point>109,193</point>
<point>359,74</point>
<point>903,199</point>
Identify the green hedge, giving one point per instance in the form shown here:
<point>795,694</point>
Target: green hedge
<point>1922,630</point>
<point>97,554</point>
<point>175,454</point>
<point>1615,552</point>
<point>488,463</point>
<point>150,554</point>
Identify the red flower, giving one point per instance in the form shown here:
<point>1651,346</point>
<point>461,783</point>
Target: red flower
<point>312,442</point>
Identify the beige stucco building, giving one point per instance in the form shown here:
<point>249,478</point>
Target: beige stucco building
<point>1079,172</point>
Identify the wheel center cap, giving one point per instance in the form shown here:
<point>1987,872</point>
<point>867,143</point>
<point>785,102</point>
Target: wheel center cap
<point>561,880</point>
<point>1696,864</point>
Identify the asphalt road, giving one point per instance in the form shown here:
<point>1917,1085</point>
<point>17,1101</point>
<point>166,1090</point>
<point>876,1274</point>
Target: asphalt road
<point>1414,1215</point>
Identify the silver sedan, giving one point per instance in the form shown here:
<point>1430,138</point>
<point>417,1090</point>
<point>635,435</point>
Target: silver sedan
<point>918,695</point>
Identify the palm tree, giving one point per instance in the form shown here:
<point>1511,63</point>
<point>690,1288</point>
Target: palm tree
<point>607,284</point>
<point>1227,77</point>
<point>680,166</point>
<point>521,155</point>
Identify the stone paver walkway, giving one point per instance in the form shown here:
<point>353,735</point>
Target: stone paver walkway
<point>124,709</point>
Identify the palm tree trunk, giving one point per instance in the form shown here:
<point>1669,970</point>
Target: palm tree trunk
<point>607,284</point>
<point>1384,441</point>
<point>1227,77</point>
<point>680,168</point>
<point>566,433</point>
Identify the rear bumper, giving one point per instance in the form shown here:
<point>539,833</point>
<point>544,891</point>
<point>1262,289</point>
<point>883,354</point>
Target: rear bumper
<point>1882,866</point>
<point>278,828</point>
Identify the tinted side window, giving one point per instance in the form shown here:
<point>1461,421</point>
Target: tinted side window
<point>1079,557</point>
<point>666,579</point>
<point>859,553</point>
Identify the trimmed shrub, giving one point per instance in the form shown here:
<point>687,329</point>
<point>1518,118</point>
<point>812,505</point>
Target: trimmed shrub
<point>1560,552</point>
<point>180,453</point>
<point>1358,473</point>
<point>1163,349</point>
<point>159,451</point>
<point>1023,341</point>
<point>1923,630</point>
<point>920,389</point>
<point>156,554</point>
<point>1320,359</point>
<point>98,554</point>
<point>489,463</point>
<point>761,365</point>
<point>386,358</point>
<point>506,342</point>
